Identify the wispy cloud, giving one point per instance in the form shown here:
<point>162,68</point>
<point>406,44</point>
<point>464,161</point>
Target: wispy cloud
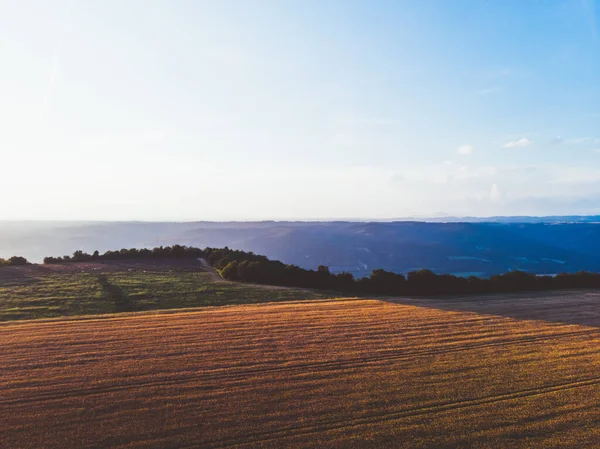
<point>344,140</point>
<point>443,178</point>
<point>577,175</point>
<point>495,193</point>
<point>491,194</point>
<point>233,56</point>
<point>53,74</point>
<point>575,141</point>
<point>488,90</point>
<point>498,72</point>
<point>398,178</point>
<point>360,121</point>
<point>518,143</point>
<point>57,54</point>
<point>465,149</point>
<point>583,141</point>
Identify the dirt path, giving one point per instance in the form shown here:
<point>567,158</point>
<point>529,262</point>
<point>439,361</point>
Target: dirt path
<point>217,278</point>
<point>209,269</point>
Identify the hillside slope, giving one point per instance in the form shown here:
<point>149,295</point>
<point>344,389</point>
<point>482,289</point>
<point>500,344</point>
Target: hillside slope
<point>90,288</point>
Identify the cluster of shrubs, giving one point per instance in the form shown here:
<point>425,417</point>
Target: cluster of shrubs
<point>14,260</point>
<point>236,265</point>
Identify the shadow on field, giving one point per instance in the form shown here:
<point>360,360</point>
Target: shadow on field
<point>122,301</point>
<point>22,275</point>
<point>158,265</point>
<point>580,307</point>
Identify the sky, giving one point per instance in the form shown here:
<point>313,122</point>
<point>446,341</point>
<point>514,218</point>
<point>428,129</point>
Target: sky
<point>284,109</point>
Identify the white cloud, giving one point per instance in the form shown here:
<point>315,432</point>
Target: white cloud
<point>518,143</point>
<point>490,195</point>
<point>465,149</point>
<point>495,193</point>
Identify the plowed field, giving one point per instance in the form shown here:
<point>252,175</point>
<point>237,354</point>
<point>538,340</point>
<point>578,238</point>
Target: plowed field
<point>340,373</point>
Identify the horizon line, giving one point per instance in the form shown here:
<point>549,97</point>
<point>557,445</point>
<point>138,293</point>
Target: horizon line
<point>310,220</point>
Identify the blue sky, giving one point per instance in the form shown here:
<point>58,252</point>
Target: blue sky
<point>190,110</point>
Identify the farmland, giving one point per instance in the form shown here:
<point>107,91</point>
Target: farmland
<point>45,291</point>
<point>331,373</point>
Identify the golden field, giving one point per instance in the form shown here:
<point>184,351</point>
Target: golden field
<point>331,373</point>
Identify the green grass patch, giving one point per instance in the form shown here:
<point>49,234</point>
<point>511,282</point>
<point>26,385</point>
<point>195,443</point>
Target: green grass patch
<point>89,293</point>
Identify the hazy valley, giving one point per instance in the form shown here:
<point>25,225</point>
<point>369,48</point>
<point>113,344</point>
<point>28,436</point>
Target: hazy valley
<point>542,246</point>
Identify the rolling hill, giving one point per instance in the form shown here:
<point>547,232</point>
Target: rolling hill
<point>463,248</point>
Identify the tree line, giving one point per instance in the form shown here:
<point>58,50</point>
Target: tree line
<point>14,260</point>
<point>161,252</point>
<point>248,267</point>
<point>243,266</point>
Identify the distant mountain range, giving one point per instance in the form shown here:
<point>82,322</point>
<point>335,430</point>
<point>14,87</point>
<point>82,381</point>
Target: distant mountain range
<point>463,246</point>
<point>510,219</point>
